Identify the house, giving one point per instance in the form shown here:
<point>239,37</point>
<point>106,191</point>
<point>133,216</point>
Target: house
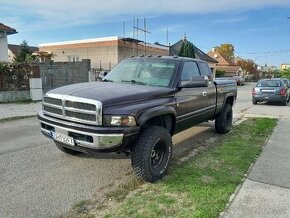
<point>4,32</point>
<point>104,52</point>
<point>225,65</point>
<point>199,54</point>
<point>13,50</point>
<point>285,66</point>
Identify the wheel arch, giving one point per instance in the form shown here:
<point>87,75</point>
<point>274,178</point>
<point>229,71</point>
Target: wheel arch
<point>164,116</point>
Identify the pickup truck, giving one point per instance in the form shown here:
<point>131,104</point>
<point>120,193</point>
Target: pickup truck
<point>136,109</point>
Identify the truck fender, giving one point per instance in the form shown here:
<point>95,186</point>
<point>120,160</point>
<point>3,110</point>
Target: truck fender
<point>229,98</point>
<point>155,112</point>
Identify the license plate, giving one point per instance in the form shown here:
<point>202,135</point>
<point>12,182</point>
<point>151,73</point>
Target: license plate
<point>62,138</point>
<point>267,90</point>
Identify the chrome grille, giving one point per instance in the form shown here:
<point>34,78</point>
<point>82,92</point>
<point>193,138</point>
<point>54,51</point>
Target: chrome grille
<point>79,105</point>
<point>52,110</point>
<point>82,116</point>
<point>54,101</point>
<point>73,108</point>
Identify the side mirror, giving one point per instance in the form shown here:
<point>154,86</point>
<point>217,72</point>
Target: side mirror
<point>196,81</point>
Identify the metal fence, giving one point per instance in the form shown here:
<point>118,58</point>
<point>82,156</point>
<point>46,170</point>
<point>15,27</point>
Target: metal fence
<point>15,77</point>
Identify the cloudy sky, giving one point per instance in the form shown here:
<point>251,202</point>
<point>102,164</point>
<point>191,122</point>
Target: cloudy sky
<point>258,29</point>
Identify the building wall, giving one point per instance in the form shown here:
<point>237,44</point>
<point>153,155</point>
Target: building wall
<point>11,56</point>
<point>3,47</point>
<point>104,55</point>
<point>285,66</point>
<point>128,49</point>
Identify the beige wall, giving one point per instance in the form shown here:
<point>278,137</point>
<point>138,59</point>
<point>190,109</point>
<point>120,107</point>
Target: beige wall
<point>105,54</point>
<point>285,66</point>
<point>3,47</point>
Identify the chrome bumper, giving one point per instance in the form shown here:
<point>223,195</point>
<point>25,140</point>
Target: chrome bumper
<point>98,141</point>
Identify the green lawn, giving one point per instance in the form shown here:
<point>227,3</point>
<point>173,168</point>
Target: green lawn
<point>202,186</point>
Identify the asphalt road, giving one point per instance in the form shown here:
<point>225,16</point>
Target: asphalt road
<point>37,180</point>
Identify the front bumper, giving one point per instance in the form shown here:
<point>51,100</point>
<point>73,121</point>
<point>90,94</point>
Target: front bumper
<point>89,138</point>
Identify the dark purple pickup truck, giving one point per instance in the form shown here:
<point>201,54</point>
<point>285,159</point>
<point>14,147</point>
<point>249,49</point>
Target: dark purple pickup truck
<point>136,109</point>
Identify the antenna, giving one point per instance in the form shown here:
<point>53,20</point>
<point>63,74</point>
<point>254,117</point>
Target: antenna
<point>144,30</point>
<point>124,34</point>
<point>167,36</point>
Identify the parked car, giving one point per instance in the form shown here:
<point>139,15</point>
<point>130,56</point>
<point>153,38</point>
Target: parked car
<point>139,105</point>
<point>240,80</point>
<point>271,90</point>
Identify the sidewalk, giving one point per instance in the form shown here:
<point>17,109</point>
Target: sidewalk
<point>266,191</point>
<point>18,109</point>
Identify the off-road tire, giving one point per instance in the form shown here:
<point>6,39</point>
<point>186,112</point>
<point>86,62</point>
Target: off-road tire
<point>224,120</point>
<point>67,150</point>
<point>284,102</point>
<point>152,140</point>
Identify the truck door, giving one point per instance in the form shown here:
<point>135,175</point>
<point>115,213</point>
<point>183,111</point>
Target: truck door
<point>210,98</point>
<point>190,102</point>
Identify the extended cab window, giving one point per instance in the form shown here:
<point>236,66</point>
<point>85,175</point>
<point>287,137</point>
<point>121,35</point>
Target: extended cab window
<point>205,70</point>
<point>189,69</point>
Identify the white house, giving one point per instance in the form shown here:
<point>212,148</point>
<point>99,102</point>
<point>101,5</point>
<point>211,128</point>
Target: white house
<point>4,32</point>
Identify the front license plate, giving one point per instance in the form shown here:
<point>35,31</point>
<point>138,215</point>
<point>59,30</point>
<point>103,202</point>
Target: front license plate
<point>62,138</point>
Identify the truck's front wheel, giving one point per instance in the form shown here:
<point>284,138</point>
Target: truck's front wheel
<point>152,153</point>
<point>224,120</point>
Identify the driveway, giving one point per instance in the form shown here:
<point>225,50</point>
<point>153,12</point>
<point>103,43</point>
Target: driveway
<point>37,180</point>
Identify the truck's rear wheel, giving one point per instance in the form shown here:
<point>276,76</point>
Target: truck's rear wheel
<point>67,150</point>
<point>224,120</point>
<point>152,153</point>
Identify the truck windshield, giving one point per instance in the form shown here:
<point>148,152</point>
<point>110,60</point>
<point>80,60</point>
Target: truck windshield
<point>143,72</point>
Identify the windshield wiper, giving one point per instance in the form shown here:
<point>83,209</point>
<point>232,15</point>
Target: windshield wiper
<point>134,82</point>
<point>107,80</point>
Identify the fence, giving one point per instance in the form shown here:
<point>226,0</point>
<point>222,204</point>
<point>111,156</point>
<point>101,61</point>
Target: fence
<point>15,77</point>
<point>57,74</point>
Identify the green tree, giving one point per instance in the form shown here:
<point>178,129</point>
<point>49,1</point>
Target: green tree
<point>285,73</point>
<point>227,50</point>
<point>187,50</point>
<point>25,54</point>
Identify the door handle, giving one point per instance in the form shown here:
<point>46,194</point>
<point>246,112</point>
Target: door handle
<point>204,93</point>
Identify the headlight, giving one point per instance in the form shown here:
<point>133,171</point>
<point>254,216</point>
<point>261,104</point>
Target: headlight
<point>119,120</point>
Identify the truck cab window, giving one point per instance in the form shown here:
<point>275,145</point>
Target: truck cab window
<point>205,70</point>
<point>189,69</point>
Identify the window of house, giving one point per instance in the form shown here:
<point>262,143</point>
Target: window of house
<point>73,58</point>
<point>189,69</point>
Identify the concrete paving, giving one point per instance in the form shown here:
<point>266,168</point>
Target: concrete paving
<point>19,109</point>
<point>266,191</point>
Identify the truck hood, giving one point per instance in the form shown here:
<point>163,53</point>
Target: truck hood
<point>113,93</point>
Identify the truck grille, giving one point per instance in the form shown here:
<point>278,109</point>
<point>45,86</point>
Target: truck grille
<point>73,108</point>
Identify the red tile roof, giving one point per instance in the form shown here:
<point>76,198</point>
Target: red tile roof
<point>7,29</point>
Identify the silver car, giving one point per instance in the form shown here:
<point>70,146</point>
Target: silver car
<point>271,90</point>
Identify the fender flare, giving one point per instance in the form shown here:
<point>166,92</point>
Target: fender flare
<point>155,112</point>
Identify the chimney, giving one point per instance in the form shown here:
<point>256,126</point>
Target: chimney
<point>213,49</point>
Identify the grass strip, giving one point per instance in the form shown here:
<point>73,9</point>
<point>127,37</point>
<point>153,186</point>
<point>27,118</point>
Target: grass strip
<point>202,186</point>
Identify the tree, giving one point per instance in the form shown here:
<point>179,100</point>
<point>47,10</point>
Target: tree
<point>285,73</point>
<point>186,50</point>
<point>247,65</point>
<point>25,54</point>
<point>227,50</point>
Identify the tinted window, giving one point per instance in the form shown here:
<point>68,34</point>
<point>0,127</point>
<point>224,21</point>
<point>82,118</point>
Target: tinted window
<point>154,72</point>
<point>204,69</point>
<point>269,83</point>
<point>189,69</point>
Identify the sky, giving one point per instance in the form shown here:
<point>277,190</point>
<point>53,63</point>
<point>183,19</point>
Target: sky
<point>258,29</point>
